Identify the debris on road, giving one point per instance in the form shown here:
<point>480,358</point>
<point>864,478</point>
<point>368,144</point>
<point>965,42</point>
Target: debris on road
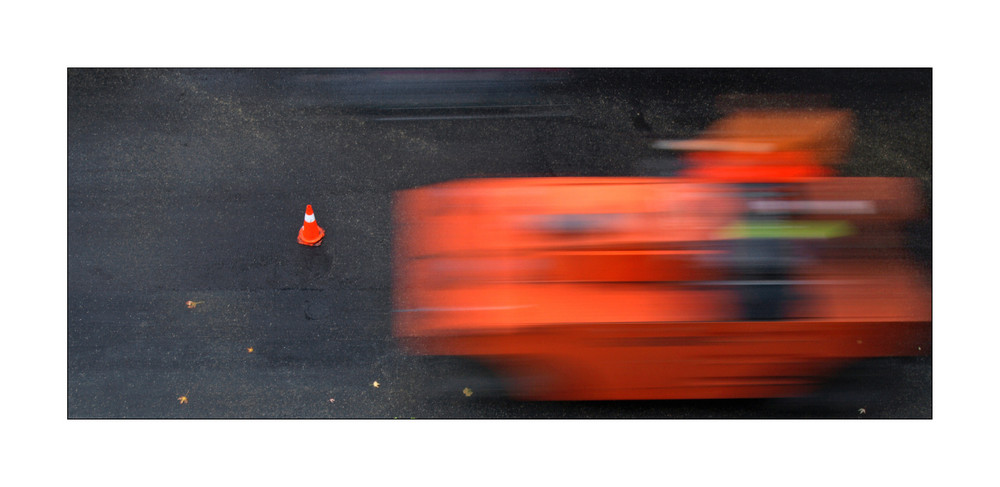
<point>467,392</point>
<point>375,384</point>
<point>192,304</point>
<point>250,350</point>
<point>862,411</point>
<point>183,399</point>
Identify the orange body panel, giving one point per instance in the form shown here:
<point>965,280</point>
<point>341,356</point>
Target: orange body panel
<point>605,288</point>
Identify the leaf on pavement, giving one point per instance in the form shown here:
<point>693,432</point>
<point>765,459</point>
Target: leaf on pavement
<point>467,392</point>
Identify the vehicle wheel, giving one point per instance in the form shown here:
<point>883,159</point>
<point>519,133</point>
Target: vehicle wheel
<point>460,378</point>
<point>898,388</point>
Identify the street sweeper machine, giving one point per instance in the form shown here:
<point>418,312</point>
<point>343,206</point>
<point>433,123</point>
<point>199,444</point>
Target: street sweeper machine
<point>755,272</point>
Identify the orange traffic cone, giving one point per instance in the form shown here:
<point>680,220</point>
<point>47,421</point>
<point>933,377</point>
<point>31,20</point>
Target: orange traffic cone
<point>311,233</point>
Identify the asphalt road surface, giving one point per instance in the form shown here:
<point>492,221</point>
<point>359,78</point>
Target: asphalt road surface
<point>190,186</point>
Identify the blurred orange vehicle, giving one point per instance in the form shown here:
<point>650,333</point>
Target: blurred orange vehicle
<point>753,274</point>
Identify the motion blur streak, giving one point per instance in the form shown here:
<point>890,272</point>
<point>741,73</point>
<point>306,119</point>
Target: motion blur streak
<point>756,273</point>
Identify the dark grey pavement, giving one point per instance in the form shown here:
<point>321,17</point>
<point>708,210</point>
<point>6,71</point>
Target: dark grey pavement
<point>190,185</point>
